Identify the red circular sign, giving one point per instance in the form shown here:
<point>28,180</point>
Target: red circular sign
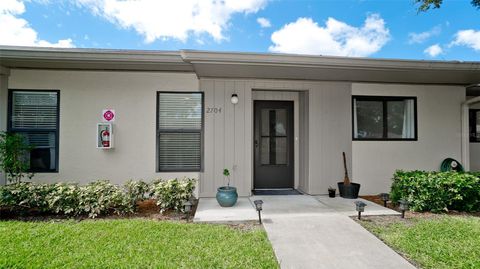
<point>108,115</point>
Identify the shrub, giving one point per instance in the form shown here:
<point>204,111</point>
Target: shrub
<point>64,198</point>
<point>437,191</point>
<point>94,199</point>
<point>22,197</point>
<point>171,194</point>
<point>136,190</point>
<point>102,197</point>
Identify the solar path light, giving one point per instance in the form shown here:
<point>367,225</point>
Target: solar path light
<point>360,207</point>
<point>258,207</point>
<point>384,197</point>
<point>403,206</point>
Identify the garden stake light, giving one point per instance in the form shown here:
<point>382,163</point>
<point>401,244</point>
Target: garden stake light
<point>360,207</point>
<point>384,197</point>
<point>187,208</point>
<point>258,207</point>
<point>403,207</point>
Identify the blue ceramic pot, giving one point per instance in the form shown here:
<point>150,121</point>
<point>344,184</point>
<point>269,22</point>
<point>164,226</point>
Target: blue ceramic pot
<point>227,196</point>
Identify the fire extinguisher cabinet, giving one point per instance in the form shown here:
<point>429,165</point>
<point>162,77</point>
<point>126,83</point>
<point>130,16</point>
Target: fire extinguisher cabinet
<point>104,136</point>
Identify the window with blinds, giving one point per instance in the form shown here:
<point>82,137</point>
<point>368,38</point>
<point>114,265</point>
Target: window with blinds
<point>179,131</point>
<point>34,115</point>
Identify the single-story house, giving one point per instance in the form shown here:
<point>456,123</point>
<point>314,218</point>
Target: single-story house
<point>275,120</point>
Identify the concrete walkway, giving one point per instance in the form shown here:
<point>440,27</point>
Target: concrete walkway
<point>311,231</point>
<point>306,233</point>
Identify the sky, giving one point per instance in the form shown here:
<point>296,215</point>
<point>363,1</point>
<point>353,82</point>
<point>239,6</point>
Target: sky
<point>354,28</point>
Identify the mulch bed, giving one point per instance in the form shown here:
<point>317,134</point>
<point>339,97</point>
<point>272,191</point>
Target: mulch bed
<point>409,215</point>
<point>146,209</point>
<point>376,199</point>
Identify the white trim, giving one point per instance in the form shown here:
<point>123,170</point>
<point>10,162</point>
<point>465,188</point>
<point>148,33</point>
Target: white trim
<point>466,132</point>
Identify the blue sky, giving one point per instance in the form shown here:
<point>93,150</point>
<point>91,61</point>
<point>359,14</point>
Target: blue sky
<point>362,28</point>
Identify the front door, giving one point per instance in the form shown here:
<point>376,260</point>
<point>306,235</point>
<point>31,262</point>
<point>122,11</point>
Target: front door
<point>273,142</point>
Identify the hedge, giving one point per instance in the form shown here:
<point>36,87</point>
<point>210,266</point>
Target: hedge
<point>437,191</point>
<point>96,198</point>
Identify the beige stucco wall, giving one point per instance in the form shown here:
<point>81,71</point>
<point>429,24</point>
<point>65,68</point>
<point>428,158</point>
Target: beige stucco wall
<point>324,128</point>
<point>83,95</point>
<point>439,135</point>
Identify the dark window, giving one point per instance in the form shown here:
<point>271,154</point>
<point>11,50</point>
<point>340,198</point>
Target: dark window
<point>273,136</point>
<point>474,119</point>
<point>384,118</point>
<point>179,131</point>
<point>35,115</point>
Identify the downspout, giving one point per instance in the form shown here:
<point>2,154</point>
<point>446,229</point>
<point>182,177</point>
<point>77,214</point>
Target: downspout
<point>466,132</point>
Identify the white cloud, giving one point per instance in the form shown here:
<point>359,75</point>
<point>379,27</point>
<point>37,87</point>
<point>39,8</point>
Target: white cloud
<point>433,50</point>
<point>176,19</point>
<point>469,38</point>
<point>264,22</point>
<point>16,31</point>
<point>337,38</point>
<point>418,38</point>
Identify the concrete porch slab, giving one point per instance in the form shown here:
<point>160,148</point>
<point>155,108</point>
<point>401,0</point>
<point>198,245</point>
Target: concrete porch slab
<point>208,210</point>
<point>347,206</point>
<point>291,205</point>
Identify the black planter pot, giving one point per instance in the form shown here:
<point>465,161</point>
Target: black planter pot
<point>331,193</point>
<point>350,191</point>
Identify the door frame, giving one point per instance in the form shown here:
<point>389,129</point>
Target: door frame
<point>292,148</point>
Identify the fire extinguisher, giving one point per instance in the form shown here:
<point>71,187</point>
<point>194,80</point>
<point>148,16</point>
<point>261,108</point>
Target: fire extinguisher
<point>105,135</point>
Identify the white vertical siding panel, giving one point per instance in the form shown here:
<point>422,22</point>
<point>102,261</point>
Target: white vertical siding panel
<point>219,135</point>
<point>228,131</point>
<point>239,142</point>
<point>325,110</point>
<point>259,84</point>
<point>330,129</point>
<point>248,135</point>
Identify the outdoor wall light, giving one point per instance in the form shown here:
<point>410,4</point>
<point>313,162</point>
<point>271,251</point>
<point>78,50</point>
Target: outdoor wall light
<point>384,197</point>
<point>258,207</point>
<point>403,207</point>
<point>234,99</point>
<point>360,207</point>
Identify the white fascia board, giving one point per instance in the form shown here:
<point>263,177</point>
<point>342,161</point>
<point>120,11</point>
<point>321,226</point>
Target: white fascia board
<point>293,60</point>
<point>89,54</point>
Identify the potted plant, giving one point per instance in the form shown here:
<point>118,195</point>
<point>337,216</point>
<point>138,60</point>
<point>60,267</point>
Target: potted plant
<point>226,195</point>
<point>347,188</point>
<point>331,192</point>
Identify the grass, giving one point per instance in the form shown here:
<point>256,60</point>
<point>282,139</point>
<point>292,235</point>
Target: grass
<point>440,242</point>
<point>131,243</point>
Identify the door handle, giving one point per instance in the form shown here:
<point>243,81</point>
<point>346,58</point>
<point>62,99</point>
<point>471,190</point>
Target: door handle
<point>256,143</point>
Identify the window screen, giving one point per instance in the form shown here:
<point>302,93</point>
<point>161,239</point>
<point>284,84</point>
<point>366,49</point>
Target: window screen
<point>384,118</point>
<point>34,115</point>
<point>179,134</point>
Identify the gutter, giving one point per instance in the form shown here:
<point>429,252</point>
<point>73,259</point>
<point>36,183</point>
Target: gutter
<point>294,60</point>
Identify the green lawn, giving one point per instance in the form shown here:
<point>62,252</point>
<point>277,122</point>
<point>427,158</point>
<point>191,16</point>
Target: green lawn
<point>131,243</point>
<point>443,242</point>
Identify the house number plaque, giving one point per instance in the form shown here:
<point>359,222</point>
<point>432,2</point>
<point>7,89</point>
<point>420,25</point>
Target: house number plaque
<point>214,110</point>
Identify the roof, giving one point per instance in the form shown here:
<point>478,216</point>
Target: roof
<point>207,64</point>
